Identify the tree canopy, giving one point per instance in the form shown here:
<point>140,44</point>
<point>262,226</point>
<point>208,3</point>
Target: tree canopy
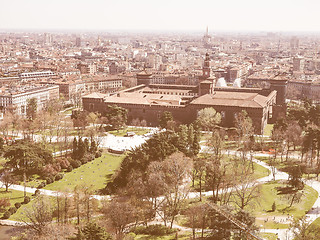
<point>208,118</point>
<point>157,148</point>
<point>27,156</point>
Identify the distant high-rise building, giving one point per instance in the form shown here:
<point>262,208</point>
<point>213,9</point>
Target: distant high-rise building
<point>297,64</point>
<point>47,38</point>
<point>99,41</point>
<point>294,43</point>
<point>78,42</point>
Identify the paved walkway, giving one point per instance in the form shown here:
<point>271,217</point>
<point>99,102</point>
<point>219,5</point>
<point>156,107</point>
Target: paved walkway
<point>126,143</point>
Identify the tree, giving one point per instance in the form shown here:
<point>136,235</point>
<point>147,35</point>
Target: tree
<point>175,168</point>
<point>295,172</point>
<point>219,225</point>
<point>32,106</point>
<point>216,145</point>
<point>27,156</point>
<point>200,171</point>
<point>245,131</point>
<point>4,203</point>
<point>156,148</point>
<point>302,229</point>
<point>248,220</point>
<point>7,179</point>
<point>80,120</point>
<point>165,118</point>
<point>39,215</point>
<point>198,217</point>
<point>83,203</point>
<point>91,231</point>
<point>216,175</point>
<point>116,116</point>
<point>208,118</point>
<point>119,213</point>
<point>246,191</point>
<point>82,149</point>
<point>5,125</point>
<point>74,154</point>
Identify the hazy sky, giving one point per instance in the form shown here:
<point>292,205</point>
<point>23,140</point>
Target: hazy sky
<point>158,15</point>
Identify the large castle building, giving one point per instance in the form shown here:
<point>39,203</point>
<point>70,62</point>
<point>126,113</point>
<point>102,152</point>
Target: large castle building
<point>148,101</point>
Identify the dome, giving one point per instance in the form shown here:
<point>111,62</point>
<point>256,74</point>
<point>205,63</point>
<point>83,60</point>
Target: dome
<point>237,83</point>
<point>221,83</point>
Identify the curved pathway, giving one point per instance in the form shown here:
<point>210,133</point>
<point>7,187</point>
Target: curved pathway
<point>130,142</point>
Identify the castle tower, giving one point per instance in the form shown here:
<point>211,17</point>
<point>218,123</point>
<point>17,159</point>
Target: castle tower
<point>206,67</point>
<point>279,109</point>
<point>144,78</point>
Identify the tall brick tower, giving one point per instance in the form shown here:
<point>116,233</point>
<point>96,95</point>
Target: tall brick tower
<point>206,67</point>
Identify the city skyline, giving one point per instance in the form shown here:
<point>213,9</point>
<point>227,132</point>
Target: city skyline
<point>142,15</point>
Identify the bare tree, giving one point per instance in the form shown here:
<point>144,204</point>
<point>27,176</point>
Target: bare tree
<point>200,169</point>
<point>176,169</point>
<point>246,191</point>
<point>7,179</point>
<point>197,218</point>
<point>39,215</point>
<point>119,213</point>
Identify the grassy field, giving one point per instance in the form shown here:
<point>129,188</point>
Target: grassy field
<point>268,236</point>
<point>13,195</point>
<point>94,173</point>
<point>123,132</point>
<point>182,236</point>
<point>268,130</point>
<point>278,218</point>
<point>259,171</point>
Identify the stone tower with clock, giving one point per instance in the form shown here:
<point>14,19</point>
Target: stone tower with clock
<point>206,67</point>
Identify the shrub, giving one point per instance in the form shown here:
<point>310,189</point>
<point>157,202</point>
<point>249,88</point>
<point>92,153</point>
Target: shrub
<point>273,207</point>
<point>4,203</point>
<point>64,163</point>
<point>69,169</point>
<point>58,177</point>
<point>26,199</point>
<point>75,163</point>
<point>37,192</point>
<point>50,170</point>
<point>98,154</point>
<point>42,185</point>
<point>6,214</point>
<point>49,180</point>
<point>12,210</point>
<point>154,230</point>
<point>17,205</point>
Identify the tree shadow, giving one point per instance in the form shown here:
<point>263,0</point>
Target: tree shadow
<point>286,190</point>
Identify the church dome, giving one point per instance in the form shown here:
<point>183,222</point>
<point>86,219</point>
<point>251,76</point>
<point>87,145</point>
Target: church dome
<point>237,83</point>
<point>221,82</point>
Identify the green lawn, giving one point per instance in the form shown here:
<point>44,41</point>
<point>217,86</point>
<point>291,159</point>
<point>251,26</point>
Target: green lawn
<point>123,132</point>
<point>183,236</point>
<point>13,195</point>
<point>268,236</point>
<point>268,130</point>
<point>269,194</point>
<point>94,173</point>
<point>259,171</point>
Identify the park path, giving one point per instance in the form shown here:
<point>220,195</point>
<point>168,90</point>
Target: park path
<point>130,142</point>
<point>50,192</point>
